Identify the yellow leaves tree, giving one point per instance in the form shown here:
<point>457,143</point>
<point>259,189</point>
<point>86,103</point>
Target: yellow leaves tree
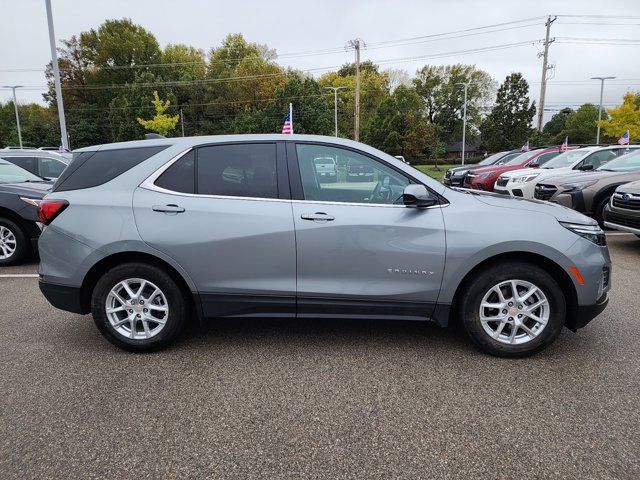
<point>623,118</point>
<point>161,122</point>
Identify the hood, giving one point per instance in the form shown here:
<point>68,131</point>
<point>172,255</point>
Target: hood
<point>633,188</point>
<point>521,171</point>
<point>461,168</point>
<point>562,214</point>
<point>588,176</point>
<point>35,189</point>
<point>489,168</point>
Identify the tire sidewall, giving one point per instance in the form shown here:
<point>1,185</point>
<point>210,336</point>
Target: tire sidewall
<point>22,249</point>
<point>175,299</point>
<point>478,288</point>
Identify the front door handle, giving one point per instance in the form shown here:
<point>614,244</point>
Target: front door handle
<point>171,208</point>
<point>318,217</point>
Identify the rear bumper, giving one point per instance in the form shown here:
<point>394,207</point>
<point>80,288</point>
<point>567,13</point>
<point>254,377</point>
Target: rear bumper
<point>63,297</point>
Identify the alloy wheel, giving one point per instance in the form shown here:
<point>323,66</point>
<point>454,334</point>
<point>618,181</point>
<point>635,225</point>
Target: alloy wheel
<point>514,312</point>
<point>8,243</point>
<point>137,309</point>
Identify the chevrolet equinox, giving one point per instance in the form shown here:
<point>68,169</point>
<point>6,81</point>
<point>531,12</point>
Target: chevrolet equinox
<point>143,234</point>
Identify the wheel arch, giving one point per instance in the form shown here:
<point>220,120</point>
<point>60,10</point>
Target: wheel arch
<point>556,271</point>
<point>107,263</point>
<point>27,227</point>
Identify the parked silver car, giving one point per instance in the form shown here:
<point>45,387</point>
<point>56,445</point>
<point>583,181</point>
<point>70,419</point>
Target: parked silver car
<point>142,233</point>
<point>43,163</point>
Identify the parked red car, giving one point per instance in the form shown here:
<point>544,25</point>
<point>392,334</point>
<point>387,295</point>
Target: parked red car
<point>484,178</point>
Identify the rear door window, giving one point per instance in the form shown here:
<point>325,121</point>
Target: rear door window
<point>237,170</point>
<point>180,177</point>
<point>598,159</point>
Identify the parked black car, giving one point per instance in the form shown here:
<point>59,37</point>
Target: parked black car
<point>20,192</point>
<point>454,177</point>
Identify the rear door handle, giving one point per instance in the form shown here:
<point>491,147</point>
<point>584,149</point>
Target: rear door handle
<point>318,216</point>
<point>171,208</point>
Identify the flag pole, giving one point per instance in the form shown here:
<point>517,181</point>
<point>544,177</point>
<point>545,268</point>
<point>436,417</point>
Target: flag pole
<point>291,116</point>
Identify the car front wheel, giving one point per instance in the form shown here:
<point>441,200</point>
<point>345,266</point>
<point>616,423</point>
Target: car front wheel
<point>513,309</point>
<point>138,307</point>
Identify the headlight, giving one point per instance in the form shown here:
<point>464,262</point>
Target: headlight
<point>525,178</point>
<point>593,233</point>
<point>577,186</point>
<point>484,175</point>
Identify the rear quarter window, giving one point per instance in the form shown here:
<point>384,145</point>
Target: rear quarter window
<point>90,169</point>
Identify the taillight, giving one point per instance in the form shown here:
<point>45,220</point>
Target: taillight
<point>50,209</point>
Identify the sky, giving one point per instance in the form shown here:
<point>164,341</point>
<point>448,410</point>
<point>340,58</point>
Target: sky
<point>303,26</point>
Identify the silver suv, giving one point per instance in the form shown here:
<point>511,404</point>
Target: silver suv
<point>143,234</point>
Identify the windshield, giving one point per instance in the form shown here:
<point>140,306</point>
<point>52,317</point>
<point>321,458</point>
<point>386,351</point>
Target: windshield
<point>10,173</point>
<point>626,163</point>
<point>520,159</point>
<point>491,159</point>
<point>566,159</point>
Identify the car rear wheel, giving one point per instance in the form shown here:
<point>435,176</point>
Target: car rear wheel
<point>512,309</point>
<point>14,248</point>
<point>138,307</point>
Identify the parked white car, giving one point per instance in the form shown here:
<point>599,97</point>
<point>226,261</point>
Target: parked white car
<point>521,183</point>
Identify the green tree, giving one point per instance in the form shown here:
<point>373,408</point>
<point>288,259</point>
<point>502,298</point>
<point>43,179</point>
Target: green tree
<point>553,128</point>
<point>161,122</point>
<point>625,117</point>
<point>443,97</point>
<point>509,123</point>
<point>400,127</point>
<point>581,125</point>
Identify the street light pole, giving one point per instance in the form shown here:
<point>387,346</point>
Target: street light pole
<point>15,106</point>
<point>602,79</point>
<point>335,104</point>
<point>464,117</point>
<point>56,78</point>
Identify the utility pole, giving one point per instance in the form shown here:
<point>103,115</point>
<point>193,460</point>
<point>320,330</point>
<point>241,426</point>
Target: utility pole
<point>356,45</point>
<point>56,78</point>
<point>545,59</point>
<point>464,117</point>
<point>335,104</point>
<point>182,122</point>
<point>602,79</point>
<point>15,106</point>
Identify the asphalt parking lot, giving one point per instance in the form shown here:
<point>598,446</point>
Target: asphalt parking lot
<point>317,399</point>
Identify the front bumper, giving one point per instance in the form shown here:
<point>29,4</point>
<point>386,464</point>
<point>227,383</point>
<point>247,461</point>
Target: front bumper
<point>620,219</point>
<point>586,313</point>
<point>64,297</point>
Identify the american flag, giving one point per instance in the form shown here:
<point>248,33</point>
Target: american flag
<point>287,128</point>
<point>525,147</point>
<point>624,139</point>
<point>565,144</point>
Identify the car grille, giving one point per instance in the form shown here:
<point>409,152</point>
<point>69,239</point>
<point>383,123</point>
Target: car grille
<point>544,192</point>
<point>467,180</point>
<point>502,182</point>
<point>627,201</point>
<point>633,222</point>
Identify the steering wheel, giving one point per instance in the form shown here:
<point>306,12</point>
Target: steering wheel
<point>381,193</point>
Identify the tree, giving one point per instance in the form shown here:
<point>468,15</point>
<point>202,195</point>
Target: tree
<point>509,123</point>
<point>443,97</point>
<point>400,127</point>
<point>160,123</point>
<point>580,126</point>
<point>625,117</point>
<point>553,128</point>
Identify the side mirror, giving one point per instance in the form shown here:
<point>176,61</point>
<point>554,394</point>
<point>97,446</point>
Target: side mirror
<point>588,166</point>
<point>415,195</point>
<point>534,165</point>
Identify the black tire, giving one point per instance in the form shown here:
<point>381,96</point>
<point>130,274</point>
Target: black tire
<point>480,284</point>
<point>598,213</point>
<point>22,249</point>
<point>177,302</point>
